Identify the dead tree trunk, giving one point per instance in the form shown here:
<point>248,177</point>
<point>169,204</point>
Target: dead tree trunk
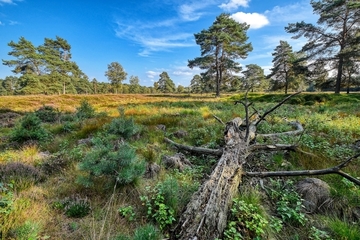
<point>206,214</point>
<point>205,217</point>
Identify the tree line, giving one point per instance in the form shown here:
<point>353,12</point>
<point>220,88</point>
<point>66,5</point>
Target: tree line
<point>48,69</point>
<point>328,61</point>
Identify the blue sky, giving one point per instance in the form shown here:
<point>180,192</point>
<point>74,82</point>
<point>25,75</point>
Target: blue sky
<point>146,37</point>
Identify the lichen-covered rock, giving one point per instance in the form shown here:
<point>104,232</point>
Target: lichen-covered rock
<point>315,194</point>
<point>178,161</point>
<point>180,134</point>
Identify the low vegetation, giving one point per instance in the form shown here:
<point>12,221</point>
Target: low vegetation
<point>91,167</point>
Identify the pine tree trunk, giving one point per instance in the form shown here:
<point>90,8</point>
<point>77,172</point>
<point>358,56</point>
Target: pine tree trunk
<point>338,77</point>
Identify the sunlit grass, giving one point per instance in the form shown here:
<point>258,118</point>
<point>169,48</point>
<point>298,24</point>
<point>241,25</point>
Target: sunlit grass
<point>330,129</point>
<point>30,154</point>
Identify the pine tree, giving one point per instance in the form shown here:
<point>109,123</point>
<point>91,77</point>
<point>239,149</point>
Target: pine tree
<point>254,78</point>
<point>165,84</point>
<point>221,45</point>
<point>282,72</point>
<point>335,39</point>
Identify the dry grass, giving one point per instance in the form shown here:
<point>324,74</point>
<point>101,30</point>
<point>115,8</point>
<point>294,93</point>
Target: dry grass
<point>104,222</point>
<point>103,102</point>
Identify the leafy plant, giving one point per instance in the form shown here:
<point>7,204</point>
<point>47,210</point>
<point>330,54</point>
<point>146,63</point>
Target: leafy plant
<point>161,203</point>
<point>288,202</point>
<point>246,221</point>
<point>127,212</point>
<point>6,199</point>
<point>317,234</point>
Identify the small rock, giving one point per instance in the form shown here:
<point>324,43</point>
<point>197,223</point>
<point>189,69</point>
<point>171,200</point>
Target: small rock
<point>161,127</point>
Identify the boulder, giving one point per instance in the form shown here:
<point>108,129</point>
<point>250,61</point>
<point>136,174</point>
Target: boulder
<point>315,194</point>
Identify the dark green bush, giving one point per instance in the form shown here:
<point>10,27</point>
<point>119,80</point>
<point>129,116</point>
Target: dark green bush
<point>84,111</point>
<point>122,126</point>
<point>48,114</point>
<point>29,128</point>
<point>108,158</point>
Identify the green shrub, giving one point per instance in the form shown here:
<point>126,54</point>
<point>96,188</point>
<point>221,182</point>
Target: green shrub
<point>116,160</point>
<point>29,128</point>
<point>74,206</point>
<point>84,111</point>
<point>47,114</point>
<point>122,126</point>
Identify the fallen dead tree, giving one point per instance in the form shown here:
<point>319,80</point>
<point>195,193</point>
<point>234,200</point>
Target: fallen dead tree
<point>206,213</point>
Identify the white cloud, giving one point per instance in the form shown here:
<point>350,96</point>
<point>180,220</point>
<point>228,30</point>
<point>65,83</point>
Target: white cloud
<point>152,74</point>
<point>2,2</point>
<point>300,11</point>
<point>234,4</point>
<point>272,41</point>
<point>193,11</point>
<point>189,13</point>
<point>153,37</point>
<point>1,23</point>
<point>182,73</point>
<point>13,22</point>
<point>255,20</point>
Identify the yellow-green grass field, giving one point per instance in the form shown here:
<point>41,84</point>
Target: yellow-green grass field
<point>43,194</point>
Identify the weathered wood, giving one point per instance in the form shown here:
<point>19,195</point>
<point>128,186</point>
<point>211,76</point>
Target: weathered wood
<point>197,150</point>
<point>332,170</point>
<point>296,124</point>
<point>206,214</point>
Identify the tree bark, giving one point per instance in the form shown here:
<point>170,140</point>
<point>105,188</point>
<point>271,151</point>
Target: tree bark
<point>206,214</point>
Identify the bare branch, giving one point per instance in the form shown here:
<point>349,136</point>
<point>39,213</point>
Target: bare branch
<point>296,124</point>
<point>332,170</point>
<point>218,119</point>
<point>272,147</point>
<point>262,117</point>
<point>197,150</point>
